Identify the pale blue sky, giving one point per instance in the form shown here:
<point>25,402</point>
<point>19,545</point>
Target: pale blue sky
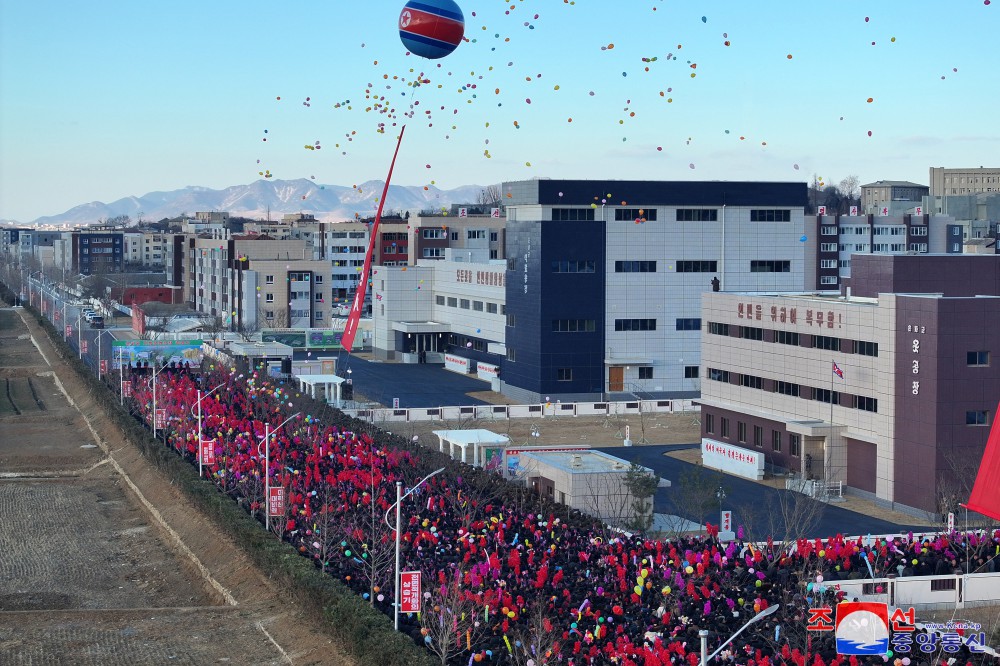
<point>109,99</point>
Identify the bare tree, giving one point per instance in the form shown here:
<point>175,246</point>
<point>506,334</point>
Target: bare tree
<point>364,529</point>
<point>325,538</point>
<point>784,518</point>
<point>696,494</point>
<point>450,616</point>
<point>491,195</point>
<point>536,638</point>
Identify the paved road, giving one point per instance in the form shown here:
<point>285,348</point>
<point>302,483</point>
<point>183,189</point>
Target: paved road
<point>745,493</point>
<point>416,385</point>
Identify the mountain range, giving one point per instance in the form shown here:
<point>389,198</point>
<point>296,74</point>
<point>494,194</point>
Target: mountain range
<point>329,203</point>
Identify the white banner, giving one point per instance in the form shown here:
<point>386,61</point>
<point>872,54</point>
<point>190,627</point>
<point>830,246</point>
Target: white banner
<point>733,459</point>
<point>487,371</point>
<point>456,364</point>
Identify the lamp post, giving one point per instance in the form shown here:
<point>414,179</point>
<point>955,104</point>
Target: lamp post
<point>200,398</point>
<point>153,381</point>
<point>29,286</point>
<point>79,334</point>
<point>267,464</point>
<point>703,634</point>
<point>399,500</point>
<point>720,494</point>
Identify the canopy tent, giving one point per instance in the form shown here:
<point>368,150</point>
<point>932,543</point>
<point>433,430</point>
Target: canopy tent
<point>326,381</point>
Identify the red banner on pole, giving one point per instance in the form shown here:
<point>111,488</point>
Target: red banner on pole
<point>208,452</point>
<point>83,346</point>
<point>276,502</point>
<point>161,418</point>
<point>351,327</point>
<point>127,389</point>
<point>104,367</point>
<point>409,592</point>
<point>69,331</point>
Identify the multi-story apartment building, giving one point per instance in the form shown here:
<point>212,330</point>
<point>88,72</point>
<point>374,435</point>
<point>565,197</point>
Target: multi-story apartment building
<point>98,250</point>
<point>605,278</point>
<point>946,182</point>
<point>888,387</point>
<point>891,197</point>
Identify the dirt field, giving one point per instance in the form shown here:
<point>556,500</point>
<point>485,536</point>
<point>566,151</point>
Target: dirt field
<point>103,561</point>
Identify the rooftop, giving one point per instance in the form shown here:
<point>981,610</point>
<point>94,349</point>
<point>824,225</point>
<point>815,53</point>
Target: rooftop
<point>582,461</point>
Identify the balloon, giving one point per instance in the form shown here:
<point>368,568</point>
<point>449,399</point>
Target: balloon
<point>431,28</point>
<point>803,239</point>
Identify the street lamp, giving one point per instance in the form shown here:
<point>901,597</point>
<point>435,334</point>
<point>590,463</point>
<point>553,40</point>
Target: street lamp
<point>267,464</point>
<point>98,341</point>
<point>200,398</point>
<point>721,495</point>
<point>399,499</point>
<point>703,634</point>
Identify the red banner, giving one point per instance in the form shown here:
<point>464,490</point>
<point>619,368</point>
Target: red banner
<point>276,502</point>
<point>208,452</point>
<point>351,327</point>
<point>83,346</point>
<point>127,389</point>
<point>69,331</point>
<point>104,367</point>
<point>409,592</point>
<point>161,418</point>
<point>985,498</point>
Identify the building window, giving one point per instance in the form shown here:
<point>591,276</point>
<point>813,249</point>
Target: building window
<point>787,338</point>
<point>630,214</point>
<point>710,423</point>
<point>511,319</point>
<point>693,324</point>
<point>564,374</point>
<point>776,441</point>
<point>758,436</point>
<point>691,372</point>
<point>574,325</point>
<point>434,234</point>
<point>741,432</point>
<point>574,266</point>
<point>573,214</point>
<point>724,427</point>
<point>433,252</point>
<point>768,215</point>
<point>918,231</point>
<point>980,417</point>
<point>452,302</point>
<point>865,404</point>
<point>511,355</point>
<point>464,304</point>
<point>697,267</point>
<point>319,315</point>
<point>787,388</point>
<point>494,236</point>
<point>635,267</point>
<point>635,324</point>
<point>794,447</point>
<point>826,342</point>
<point>477,306</point>
<point>770,266</point>
<point>474,234</point>
<point>439,299</point>
<point>269,314</point>
<point>491,308</point>
<point>268,279</point>
<point>715,328</point>
<point>828,263</point>
<point>865,348</point>
<point>645,372</point>
<point>751,381</point>
<point>828,247</point>
<point>977,358</point>
<point>828,231</point>
<point>717,375</point>
<point>269,298</point>
<point>828,279</point>
<point>826,395</point>
<point>751,333</point>
<point>319,298</point>
<point>697,214</point>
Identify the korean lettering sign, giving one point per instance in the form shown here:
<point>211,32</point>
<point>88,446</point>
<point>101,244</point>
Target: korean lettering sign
<point>276,502</point>
<point>208,451</point>
<point>409,592</point>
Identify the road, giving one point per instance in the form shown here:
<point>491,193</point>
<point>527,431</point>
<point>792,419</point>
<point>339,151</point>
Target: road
<point>741,493</point>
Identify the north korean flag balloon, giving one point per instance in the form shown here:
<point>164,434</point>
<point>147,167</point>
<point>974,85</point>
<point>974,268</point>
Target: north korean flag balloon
<point>431,28</point>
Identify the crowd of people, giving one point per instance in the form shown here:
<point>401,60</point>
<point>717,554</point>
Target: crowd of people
<point>511,578</point>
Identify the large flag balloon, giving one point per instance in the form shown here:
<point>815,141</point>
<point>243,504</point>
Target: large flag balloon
<point>431,28</point>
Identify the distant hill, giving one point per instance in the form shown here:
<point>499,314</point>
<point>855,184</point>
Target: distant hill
<point>329,203</point>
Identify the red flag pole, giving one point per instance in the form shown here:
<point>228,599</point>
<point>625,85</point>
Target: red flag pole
<point>351,328</point>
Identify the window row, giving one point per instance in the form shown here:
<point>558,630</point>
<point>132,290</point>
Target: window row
<point>635,267</point>
<point>574,325</point>
<point>574,266</point>
<point>860,347</point>
<point>794,441</point>
<point>629,214</point>
<point>797,390</point>
<point>770,266</point>
<point>466,304</point>
<point>573,214</point>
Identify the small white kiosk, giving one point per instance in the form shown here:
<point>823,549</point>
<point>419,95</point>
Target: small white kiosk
<point>328,382</point>
<point>479,440</point>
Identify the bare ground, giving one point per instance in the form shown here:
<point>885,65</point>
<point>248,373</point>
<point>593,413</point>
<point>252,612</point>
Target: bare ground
<point>104,562</point>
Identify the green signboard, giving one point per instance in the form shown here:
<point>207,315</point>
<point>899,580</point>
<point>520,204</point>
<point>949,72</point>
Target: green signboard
<point>156,352</point>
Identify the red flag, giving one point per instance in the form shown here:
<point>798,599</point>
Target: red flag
<point>351,328</point>
<point>837,371</point>
<point>985,498</point>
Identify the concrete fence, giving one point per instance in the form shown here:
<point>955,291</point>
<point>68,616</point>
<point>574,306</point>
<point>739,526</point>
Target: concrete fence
<point>927,592</point>
<point>535,411</point>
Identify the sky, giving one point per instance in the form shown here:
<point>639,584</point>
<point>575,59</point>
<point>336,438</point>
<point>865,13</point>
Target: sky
<point>104,100</point>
